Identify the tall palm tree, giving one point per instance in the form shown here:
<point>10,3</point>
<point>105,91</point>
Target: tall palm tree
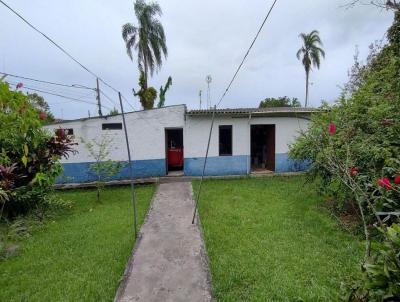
<point>148,38</point>
<point>310,54</point>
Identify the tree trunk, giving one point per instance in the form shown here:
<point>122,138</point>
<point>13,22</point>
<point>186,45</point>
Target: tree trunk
<point>306,89</point>
<point>145,73</point>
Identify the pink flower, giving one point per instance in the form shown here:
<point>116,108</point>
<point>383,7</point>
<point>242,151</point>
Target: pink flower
<point>397,180</point>
<point>385,183</point>
<point>19,85</point>
<point>332,128</point>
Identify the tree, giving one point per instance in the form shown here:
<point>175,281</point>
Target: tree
<point>163,91</point>
<point>310,54</point>
<point>29,155</point>
<point>353,148</point>
<point>148,38</point>
<point>279,102</point>
<point>386,4</point>
<point>114,111</point>
<point>103,168</point>
<point>146,95</point>
<point>39,103</point>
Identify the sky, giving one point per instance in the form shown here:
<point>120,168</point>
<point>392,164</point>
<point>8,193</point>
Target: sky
<point>205,37</point>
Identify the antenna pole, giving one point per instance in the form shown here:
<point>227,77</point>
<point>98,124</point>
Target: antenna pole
<point>208,80</point>
<point>200,98</point>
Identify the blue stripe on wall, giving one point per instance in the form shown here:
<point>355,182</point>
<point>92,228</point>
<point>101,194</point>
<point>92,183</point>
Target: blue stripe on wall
<point>237,165</point>
<point>217,165</point>
<point>79,172</point>
<point>284,164</point>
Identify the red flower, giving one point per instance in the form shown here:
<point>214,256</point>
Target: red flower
<point>42,115</point>
<point>332,128</point>
<point>354,171</point>
<point>19,85</point>
<point>385,183</point>
<point>397,180</point>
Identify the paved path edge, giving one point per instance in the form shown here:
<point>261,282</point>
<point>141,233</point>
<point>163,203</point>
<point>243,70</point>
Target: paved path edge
<point>205,261</point>
<point>128,268</point>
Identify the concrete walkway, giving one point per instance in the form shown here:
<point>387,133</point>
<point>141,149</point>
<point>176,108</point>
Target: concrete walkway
<point>169,263</point>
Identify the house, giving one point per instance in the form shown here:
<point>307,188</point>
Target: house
<point>162,140</point>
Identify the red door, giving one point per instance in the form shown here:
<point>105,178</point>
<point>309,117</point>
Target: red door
<point>175,157</point>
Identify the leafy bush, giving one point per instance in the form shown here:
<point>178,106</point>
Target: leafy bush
<point>279,102</point>
<point>102,168</point>
<point>29,155</point>
<point>354,149</point>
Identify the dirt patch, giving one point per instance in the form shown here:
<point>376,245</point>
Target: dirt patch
<point>348,215</point>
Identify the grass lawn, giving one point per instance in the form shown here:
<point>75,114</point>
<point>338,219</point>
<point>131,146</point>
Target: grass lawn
<point>269,239</point>
<point>81,254</point>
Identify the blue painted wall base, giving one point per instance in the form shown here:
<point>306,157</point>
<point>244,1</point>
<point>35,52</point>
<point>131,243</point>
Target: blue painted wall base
<point>284,164</point>
<point>79,172</point>
<point>216,166</point>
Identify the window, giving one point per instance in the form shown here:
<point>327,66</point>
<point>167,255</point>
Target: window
<point>225,140</point>
<point>112,126</point>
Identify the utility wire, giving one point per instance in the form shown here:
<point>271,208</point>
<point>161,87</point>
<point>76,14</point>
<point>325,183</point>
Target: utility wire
<point>51,89</point>
<point>77,86</point>
<point>85,68</point>
<point>61,96</point>
<point>129,103</point>
<point>247,53</point>
<point>57,45</point>
<point>108,98</point>
<point>219,102</point>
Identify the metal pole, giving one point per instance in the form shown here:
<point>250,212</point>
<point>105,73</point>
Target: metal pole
<point>204,166</point>
<point>200,98</point>
<point>98,97</point>
<point>130,164</point>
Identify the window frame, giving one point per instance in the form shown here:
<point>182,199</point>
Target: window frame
<point>105,128</point>
<point>225,127</point>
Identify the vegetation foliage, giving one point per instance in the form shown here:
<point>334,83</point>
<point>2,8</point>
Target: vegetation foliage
<point>310,55</point>
<point>29,155</point>
<point>78,255</point>
<point>163,91</point>
<point>148,39</point>
<point>279,102</point>
<point>102,168</point>
<point>354,150</point>
<point>147,95</point>
<point>39,103</point>
<point>269,239</point>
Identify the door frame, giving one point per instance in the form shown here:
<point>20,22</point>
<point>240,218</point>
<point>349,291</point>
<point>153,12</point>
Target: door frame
<point>273,126</point>
<point>166,129</point>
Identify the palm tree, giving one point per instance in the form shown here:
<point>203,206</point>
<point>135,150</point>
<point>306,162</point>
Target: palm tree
<point>310,54</point>
<point>148,38</point>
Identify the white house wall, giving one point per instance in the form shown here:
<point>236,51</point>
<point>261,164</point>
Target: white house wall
<point>146,133</point>
<point>196,136</point>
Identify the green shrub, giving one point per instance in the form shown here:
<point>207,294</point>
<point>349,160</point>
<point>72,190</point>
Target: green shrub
<point>354,150</point>
<point>29,155</point>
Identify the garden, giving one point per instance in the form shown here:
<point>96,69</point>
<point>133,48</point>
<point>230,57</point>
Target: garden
<point>273,239</point>
<point>60,246</point>
<point>77,254</point>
